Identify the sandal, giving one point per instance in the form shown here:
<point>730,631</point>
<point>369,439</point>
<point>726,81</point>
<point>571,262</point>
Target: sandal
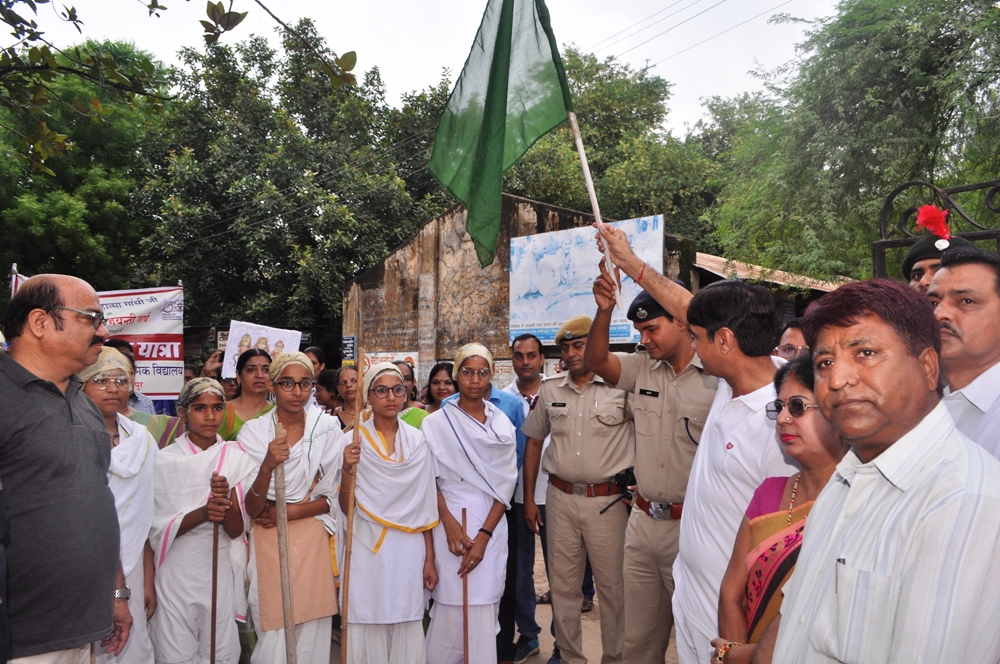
<point>588,606</point>
<point>544,598</point>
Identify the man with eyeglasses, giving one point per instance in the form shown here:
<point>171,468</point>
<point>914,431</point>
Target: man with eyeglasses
<point>671,397</point>
<point>512,408</point>
<point>592,442</point>
<point>791,344</point>
<point>65,584</point>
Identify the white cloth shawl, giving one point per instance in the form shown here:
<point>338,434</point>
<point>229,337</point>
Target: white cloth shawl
<point>183,484</point>
<point>484,455</point>
<point>319,451</point>
<point>393,492</point>
<point>130,478</point>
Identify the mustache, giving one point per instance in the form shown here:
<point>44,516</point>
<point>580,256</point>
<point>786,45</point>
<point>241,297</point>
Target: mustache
<point>951,328</point>
<point>97,340</point>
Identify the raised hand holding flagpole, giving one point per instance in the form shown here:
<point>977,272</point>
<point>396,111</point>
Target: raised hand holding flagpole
<point>578,139</point>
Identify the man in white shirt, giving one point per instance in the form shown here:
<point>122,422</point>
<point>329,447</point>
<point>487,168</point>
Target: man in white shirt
<point>732,328</point>
<point>965,293</point>
<point>901,553</point>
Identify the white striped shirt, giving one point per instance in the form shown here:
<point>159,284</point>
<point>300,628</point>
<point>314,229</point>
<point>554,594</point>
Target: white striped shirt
<point>901,557</point>
<point>976,409</point>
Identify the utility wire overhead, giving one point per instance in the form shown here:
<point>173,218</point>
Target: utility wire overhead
<point>677,25</point>
<point>590,48</point>
<point>719,34</point>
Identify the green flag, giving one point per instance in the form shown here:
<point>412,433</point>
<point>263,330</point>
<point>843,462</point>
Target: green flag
<point>512,91</point>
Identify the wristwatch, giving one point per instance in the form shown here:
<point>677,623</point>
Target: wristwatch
<point>123,593</point>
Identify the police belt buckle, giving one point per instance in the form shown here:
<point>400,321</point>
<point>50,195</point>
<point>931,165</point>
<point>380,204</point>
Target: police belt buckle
<point>657,510</point>
<point>579,489</point>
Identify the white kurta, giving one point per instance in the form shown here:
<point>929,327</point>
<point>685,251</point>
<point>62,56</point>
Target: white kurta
<point>318,453</point>
<point>130,478</point>
<point>181,626</point>
<point>738,450</point>
<point>476,466</point>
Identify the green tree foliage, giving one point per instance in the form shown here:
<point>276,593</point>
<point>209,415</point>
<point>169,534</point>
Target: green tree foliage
<point>638,168</point>
<point>887,91</point>
<point>279,186</point>
<point>78,220</point>
<point>30,65</point>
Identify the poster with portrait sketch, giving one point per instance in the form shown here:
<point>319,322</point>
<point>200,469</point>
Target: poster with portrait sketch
<point>552,277</point>
<point>244,336</point>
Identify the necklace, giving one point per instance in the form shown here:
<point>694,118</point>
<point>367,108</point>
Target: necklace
<point>116,437</point>
<point>791,503</point>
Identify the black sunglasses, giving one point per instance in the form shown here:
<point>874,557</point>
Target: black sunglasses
<point>797,407</point>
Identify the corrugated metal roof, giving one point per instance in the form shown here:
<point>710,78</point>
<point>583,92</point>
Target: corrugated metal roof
<point>738,270</point>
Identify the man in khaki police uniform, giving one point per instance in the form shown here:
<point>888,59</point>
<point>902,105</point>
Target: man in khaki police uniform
<point>592,441</point>
<point>670,403</point>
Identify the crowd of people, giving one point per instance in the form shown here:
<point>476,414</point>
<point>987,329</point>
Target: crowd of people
<point>829,493</point>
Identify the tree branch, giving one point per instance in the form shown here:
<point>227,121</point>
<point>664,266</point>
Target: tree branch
<point>302,39</point>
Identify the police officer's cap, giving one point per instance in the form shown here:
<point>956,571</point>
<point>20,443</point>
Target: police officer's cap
<point>644,308</point>
<point>576,327</point>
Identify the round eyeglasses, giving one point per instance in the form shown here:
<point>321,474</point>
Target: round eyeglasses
<point>288,384</point>
<point>469,372</point>
<point>382,392</point>
<point>797,407</point>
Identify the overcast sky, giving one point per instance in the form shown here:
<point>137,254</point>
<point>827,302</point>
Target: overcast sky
<point>412,40</point>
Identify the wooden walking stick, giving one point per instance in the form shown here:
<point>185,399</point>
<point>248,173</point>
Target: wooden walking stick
<point>465,604</point>
<point>345,581</point>
<point>215,584</point>
<point>286,579</point>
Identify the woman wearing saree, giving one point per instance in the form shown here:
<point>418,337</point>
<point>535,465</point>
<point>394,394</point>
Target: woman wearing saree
<point>310,445</point>
<point>770,537</point>
<point>252,373</point>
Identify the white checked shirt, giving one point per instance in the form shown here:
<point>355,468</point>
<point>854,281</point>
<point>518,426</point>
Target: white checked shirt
<point>976,409</point>
<point>901,557</point>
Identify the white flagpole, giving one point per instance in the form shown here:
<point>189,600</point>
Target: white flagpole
<point>593,203</point>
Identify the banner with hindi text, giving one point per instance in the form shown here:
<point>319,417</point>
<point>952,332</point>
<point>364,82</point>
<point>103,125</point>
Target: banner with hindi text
<point>152,320</point>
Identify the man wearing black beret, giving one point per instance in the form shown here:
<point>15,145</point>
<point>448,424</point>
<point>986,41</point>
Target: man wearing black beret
<point>672,398</point>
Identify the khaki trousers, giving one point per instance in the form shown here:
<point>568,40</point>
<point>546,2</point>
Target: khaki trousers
<point>575,529</point>
<point>650,549</point>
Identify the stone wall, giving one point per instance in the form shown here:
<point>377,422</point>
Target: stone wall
<point>431,296</point>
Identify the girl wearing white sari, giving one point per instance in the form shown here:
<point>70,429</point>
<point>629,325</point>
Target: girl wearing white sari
<point>130,479</point>
<point>392,559</point>
<point>200,481</point>
<point>474,448</point>
<point>310,446</point>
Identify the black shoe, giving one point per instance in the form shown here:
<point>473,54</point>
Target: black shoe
<point>556,656</point>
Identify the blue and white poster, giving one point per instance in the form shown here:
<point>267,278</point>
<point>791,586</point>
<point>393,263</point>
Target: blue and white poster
<point>552,277</point>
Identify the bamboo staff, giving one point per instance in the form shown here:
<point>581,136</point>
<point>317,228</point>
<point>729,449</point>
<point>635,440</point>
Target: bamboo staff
<point>465,603</point>
<point>578,138</point>
<point>286,579</point>
<point>345,581</point>
<point>215,585</point>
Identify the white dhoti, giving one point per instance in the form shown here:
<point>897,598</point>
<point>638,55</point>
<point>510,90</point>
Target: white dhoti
<point>400,643</point>
<point>444,637</point>
<point>181,627</point>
